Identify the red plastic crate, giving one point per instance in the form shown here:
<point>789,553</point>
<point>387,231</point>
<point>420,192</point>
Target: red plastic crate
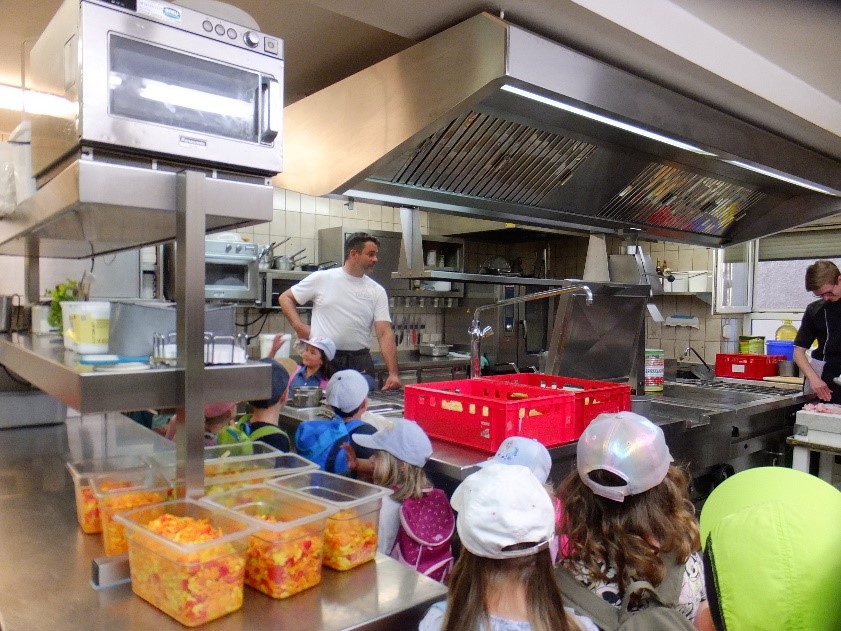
<point>746,366</point>
<point>480,413</point>
<point>591,397</point>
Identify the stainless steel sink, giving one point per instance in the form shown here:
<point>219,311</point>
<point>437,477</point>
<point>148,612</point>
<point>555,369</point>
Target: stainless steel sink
<point>717,396</point>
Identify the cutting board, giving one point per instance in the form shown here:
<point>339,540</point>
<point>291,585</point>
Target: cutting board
<point>794,380</point>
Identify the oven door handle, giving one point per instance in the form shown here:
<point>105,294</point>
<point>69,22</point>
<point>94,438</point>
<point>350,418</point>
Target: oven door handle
<point>272,109</point>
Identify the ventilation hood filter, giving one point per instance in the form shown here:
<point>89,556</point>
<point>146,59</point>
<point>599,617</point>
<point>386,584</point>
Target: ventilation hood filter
<point>488,120</point>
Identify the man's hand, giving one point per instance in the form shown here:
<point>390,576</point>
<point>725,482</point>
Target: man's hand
<point>392,382</point>
<point>821,389</point>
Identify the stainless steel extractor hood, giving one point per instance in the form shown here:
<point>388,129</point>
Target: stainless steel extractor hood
<point>486,119</point>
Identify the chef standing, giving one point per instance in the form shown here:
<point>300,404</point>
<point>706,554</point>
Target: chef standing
<point>346,304</point>
<point>821,322</point>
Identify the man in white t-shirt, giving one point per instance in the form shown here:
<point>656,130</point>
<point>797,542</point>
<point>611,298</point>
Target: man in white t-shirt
<point>346,302</point>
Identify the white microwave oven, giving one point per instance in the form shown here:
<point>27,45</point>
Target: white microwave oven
<point>158,79</point>
<point>231,272</point>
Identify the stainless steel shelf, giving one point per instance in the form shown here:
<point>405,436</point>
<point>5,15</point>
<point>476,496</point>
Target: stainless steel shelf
<point>95,207</point>
<point>44,362</point>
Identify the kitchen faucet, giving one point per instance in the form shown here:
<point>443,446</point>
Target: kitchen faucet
<point>477,332</point>
<point>688,350</point>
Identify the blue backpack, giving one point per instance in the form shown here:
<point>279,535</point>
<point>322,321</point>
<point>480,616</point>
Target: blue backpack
<point>321,442</point>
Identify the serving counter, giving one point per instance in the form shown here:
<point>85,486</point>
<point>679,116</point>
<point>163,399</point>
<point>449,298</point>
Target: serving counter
<point>45,559</point>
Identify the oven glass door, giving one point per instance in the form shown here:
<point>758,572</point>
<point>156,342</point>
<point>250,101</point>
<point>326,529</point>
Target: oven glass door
<point>162,86</point>
<point>230,279</point>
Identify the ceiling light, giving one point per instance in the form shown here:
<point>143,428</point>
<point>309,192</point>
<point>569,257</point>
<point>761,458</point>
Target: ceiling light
<point>782,176</point>
<point>31,102</point>
<point>606,120</point>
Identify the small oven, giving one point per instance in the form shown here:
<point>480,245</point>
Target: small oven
<point>156,79</point>
<point>231,271</point>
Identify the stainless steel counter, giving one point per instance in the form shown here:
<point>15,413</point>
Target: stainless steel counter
<point>45,559</point>
<point>436,368</point>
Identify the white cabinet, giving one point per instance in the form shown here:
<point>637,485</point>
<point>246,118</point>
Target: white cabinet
<point>733,289</point>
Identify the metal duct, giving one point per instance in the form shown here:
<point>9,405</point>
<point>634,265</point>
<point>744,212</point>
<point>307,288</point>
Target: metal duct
<point>486,119</point>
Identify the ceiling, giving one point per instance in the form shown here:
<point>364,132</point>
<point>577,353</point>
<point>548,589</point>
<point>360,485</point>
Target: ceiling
<point>791,49</point>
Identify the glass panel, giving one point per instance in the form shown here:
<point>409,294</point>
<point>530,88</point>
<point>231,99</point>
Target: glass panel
<point>162,86</point>
<point>733,279</point>
<point>226,274</point>
<point>780,285</point>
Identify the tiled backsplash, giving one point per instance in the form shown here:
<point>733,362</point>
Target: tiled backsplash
<point>301,217</point>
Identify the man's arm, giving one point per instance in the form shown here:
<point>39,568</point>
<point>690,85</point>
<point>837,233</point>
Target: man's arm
<point>289,307</point>
<point>385,337</point>
<point>818,384</point>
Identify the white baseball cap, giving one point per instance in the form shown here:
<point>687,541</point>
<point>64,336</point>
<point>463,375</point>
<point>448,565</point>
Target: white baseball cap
<point>403,439</point>
<point>347,390</point>
<point>627,445</point>
<point>322,343</point>
<point>501,506</point>
<point>526,452</point>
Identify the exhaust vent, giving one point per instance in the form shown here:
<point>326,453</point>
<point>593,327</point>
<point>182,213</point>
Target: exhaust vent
<point>483,156</point>
<point>667,197</point>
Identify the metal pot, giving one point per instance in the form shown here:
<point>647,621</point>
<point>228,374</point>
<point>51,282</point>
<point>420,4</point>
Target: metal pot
<point>283,263</point>
<point>306,397</point>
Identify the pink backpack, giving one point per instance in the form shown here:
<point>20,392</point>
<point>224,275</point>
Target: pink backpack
<point>424,539</point>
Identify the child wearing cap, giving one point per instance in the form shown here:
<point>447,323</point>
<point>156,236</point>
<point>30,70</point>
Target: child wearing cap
<point>261,423</point>
<point>315,368</point>
<point>503,578</point>
<point>216,417</point>
<point>401,450</point>
<point>627,510</point>
<point>321,440</point>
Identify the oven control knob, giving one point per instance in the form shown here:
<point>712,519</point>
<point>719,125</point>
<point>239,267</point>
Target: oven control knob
<point>239,248</point>
<point>228,248</point>
<point>251,39</point>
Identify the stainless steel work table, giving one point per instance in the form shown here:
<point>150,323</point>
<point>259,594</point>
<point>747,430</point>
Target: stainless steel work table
<point>45,559</point>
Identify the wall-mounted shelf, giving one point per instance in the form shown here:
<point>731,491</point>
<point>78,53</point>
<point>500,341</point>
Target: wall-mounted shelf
<point>703,296</point>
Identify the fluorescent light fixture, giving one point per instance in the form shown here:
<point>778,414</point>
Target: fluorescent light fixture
<point>195,100</point>
<point>31,102</point>
<point>785,178</point>
<point>607,121</point>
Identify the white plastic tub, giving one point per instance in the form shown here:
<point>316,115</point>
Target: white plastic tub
<point>90,321</point>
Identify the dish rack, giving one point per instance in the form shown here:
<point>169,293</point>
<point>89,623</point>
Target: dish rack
<point>218,349</point>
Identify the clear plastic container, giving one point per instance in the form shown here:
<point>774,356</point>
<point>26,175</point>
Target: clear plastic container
<point>786,331</point>
<point>119,491</point>
<point>90,321</point>
<point>350,537</point>
<point>87,504</point>
<point>231,466</point>
<point>200,577</point>
<point>285,548</point>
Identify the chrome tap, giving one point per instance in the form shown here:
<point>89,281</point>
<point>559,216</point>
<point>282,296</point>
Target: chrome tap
<point>477,332</point>
<point>689,350</point>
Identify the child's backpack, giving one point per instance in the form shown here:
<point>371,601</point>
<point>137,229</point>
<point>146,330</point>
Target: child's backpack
<point>321,442</point>
<point>242,432</point>
<point>661,613</point>
<point>424,539</point>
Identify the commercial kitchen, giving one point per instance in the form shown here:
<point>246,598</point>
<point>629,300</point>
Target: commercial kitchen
<point>551,212</point>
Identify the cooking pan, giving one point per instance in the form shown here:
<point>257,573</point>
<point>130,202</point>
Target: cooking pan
<point>283,263</point>
<point>314,267</point>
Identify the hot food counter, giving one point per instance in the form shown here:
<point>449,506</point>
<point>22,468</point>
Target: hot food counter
<point>45,559</point>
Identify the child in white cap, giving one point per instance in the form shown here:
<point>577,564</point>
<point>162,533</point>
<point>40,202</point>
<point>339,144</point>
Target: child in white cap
<point>321,440</point>
<point>533,455</point>
<point>503,579</point>
<point>315,368</point>
<point>416,521</point>
<point>628,516</point>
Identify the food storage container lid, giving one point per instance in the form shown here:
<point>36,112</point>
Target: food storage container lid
<point>291,509</point>
<point>333,490</point>
<point>141,479</point>
<point>235,528</point>
<point>84,469</point>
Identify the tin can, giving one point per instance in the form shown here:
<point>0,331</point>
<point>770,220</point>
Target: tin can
<point>654,369</point>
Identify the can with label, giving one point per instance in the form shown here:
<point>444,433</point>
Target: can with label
<point>654,369</point>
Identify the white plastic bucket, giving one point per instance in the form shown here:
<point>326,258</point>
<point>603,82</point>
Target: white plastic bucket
<point>90,322</point>
<point>266,341</point>
<point>67,309</point>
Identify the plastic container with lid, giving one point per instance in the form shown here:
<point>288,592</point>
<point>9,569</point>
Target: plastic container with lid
<point>350,536</point>
<point>780,347</point>
<point>286,545</point>
<point>655,369</point>
<point>199,577</point>
<point>89,322</point>
<point>786,331</point>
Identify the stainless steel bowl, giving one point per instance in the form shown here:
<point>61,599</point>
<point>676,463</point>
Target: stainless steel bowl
<point>306,397</point>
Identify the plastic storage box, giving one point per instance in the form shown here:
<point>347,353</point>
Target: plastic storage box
<point>746,365</point>
<point>481,413</point>
<point>285,547</point>
<point>350,536</point>
<point>196,579</point>
<point>234,465</point>
<point>119,491</point>
<point>87,504</point>
<point>591,397</point>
